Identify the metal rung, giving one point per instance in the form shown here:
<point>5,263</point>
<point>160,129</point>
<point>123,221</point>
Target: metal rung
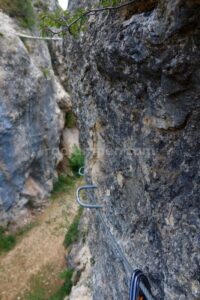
<point>81,171</point>
<point>79,200</point>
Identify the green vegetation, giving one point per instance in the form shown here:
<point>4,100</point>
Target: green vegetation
<point>37,294</point>
<point>76,160</point>
<point>24,230</point>
<point>39,291</point>
<point>51,20</point>
<point>7,242</point>
<point>70,120</point>
<point>108,3</point>
<point>63,183</point>
<point>74,22</point>
<point>65,289</point>
<point>46,72</point>
<point>20,9</point>
<point>72,235</point>
<point>39,4</point>
<point>92,261</point>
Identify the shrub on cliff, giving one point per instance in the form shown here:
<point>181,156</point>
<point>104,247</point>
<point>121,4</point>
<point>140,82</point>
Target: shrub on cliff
<point>76,160</point>
<point>62,184</point>
<point>75,22</point>
<point>70,120</point>
<point>71,236</point>
<point>65,289</point>
<point>7,242</point>
<point>20,9</point>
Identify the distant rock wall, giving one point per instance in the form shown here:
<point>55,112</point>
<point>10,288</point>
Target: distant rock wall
<point>134,77</point>
<point>30,122</point>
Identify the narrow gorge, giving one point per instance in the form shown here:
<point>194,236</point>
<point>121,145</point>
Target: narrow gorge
<point>131,78</point>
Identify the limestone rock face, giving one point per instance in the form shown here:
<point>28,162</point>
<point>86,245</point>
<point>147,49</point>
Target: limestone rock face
<point>30,121</point>
<point>70,140</point>
<point>80,260</point>
<point>134,78</point>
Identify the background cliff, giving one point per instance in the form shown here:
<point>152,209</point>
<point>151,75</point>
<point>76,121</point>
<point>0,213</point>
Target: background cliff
<point>30,116</point>
<point>134,77</point>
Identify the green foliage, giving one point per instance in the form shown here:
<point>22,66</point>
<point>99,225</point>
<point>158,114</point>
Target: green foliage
<point>39,4</point>
<point>60,19</point>
<point>21,9</point>
<point>66,287</point>
<point>74,22</point>
<point>72,235</point>
<point>7,242</point>
<point>63,183</point>
<point>24,230</point>
<point>109,3</point>
<point>76,160</point>
<point>77,26</point>
<point>46,72</point>
<point>92,261</point>
<point>37,294</point>
<point>52,20</point>
<point>70,120</point>
<point>39,291</point>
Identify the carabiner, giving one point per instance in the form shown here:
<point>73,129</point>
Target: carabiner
<point>136,292</point>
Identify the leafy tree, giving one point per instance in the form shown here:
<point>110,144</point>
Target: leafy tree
<point>63,22</point>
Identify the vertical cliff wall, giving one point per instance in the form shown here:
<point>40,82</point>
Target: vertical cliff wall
<point>134,78</point>
<point>30,121</point>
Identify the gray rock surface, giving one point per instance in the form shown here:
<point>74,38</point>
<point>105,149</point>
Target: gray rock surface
<point>30,121</point>
<point>79,258</point>
<point>134,78</point>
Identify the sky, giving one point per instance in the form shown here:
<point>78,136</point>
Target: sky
<point>63,3</point>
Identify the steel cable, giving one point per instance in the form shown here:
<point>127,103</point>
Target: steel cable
<point>114,243</point>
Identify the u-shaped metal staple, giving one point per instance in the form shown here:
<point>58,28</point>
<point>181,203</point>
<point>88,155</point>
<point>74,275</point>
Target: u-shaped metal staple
<point>81,171</point>
<point>79,200</point>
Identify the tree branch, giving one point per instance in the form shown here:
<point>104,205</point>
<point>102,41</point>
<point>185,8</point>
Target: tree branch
<point>97,10</point>
<point>140,5</point>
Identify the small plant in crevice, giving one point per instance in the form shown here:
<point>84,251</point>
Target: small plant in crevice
<point>92,261</point>
<point>77,276</point>
<point>65,289</point>
<point>7,242</point>
<point>72,234</point>
<point>76,161</point>
<point>70,120</point>
<point>62,184</point>
<point>46,72</point>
